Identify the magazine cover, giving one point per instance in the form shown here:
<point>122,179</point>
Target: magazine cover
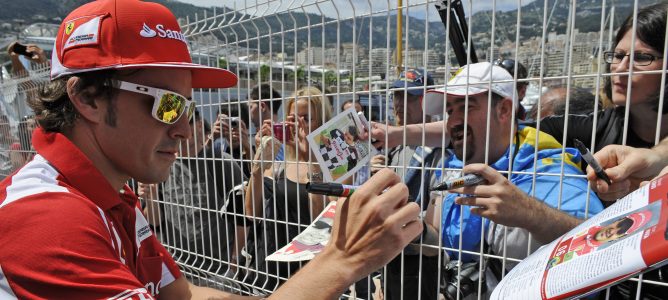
<point>310,241</point>
<point>625,239</point>
<point>338,148</point>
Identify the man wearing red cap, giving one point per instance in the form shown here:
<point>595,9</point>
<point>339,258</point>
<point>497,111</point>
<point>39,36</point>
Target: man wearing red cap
<point>117,108</point>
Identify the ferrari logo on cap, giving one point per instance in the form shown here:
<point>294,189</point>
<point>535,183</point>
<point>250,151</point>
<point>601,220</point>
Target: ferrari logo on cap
<point>69,27</point>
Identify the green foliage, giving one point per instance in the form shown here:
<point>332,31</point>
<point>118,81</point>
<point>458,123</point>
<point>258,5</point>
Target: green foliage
<point>265,72</point>
<point>222,62</point>
<point>330,78</point>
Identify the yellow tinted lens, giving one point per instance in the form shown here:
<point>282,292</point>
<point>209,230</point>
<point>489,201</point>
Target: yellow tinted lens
<point>170,108</point>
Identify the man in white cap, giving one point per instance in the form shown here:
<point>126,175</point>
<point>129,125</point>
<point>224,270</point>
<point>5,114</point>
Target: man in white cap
<point>486,140</point>
<point>117,108</point>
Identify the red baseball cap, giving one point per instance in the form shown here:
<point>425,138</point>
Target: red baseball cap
<point>127,34</point>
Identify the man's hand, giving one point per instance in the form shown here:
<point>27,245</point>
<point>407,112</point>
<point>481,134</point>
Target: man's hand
<point>498,200</point>
<point>370,228</point>
<point>627,167</point>
<point>375,223</point>
<point>382,133</point>
<point>504,203</point>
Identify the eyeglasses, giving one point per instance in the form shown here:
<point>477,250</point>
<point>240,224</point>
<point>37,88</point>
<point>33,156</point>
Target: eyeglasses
<point>639,58</point>
<point>168,106</point>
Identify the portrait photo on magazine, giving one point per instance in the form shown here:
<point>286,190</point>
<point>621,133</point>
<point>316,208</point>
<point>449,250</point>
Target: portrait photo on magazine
<point>338,147</point>
<point>609,232</point>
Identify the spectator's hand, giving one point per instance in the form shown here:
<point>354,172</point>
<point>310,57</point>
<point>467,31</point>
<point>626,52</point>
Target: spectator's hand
<point>217,129</point>
<point>378,134</point>
<point>9,50</point>
<point>147,191</point>
<point>265,130</point>
<point>299,126</point>
<point>377,163</point>
<point>265,154</point>
<point>498,199</point>
<point>38,55</point>
<point>373,225</point>
<point>627,167</point>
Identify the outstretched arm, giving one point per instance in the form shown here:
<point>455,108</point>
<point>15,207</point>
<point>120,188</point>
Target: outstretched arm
<point>371,228</point>
<point>393,135</point>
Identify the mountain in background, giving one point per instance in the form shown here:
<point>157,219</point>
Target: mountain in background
<point>382,35</point>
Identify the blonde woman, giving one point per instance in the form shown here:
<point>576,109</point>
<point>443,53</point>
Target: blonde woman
<point>276,192</point>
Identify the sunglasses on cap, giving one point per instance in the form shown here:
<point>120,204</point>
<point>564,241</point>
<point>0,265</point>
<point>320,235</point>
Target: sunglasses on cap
<point>168,106</point>
<point>509,65</point>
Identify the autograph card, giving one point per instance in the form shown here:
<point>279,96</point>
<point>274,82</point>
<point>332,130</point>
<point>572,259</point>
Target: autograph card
<point>338,147</point>
<point>311,241</point>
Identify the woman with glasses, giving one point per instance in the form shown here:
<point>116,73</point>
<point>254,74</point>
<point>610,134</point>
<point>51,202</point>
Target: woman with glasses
<point>636,67</point>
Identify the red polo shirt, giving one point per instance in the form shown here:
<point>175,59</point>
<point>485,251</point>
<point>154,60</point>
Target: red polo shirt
<point>66,233</point>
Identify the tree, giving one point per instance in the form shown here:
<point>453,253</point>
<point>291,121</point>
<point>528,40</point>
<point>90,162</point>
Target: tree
<point>265,72</point>
<point>222,63</point>
<point>330,78</point>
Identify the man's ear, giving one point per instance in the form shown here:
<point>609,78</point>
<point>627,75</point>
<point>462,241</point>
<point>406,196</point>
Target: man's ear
<point>504,109</point>
<point>263,106</point>
<point>86,105</point>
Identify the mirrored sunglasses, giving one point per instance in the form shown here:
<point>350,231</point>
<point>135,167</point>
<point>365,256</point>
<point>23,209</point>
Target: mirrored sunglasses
<point>168,106</point>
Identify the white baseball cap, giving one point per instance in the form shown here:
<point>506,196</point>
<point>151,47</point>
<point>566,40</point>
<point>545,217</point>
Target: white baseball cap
<point>472,79</point>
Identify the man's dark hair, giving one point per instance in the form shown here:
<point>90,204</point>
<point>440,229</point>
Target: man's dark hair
<point>624,226</point>
<point>266,92</point>
<point>651,30</point>
<point>236,110</point>
<point>55,112</point>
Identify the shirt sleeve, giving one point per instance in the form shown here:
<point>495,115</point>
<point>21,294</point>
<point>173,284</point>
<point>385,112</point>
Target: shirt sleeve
<point>57,246</point>
<point>579,127</point>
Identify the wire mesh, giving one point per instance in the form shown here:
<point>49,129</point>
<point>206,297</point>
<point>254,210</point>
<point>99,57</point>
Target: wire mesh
<point>220,220</point>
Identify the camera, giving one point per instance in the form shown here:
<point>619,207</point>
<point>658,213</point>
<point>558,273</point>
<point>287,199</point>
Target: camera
<point>234,122</point>
<point>463,279</point>
<point>278,132</point>
<point>21,49</point>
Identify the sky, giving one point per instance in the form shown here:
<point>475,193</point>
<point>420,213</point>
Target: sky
<point>418,8</point>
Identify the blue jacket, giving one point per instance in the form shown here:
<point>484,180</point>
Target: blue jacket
<point>549,160</point>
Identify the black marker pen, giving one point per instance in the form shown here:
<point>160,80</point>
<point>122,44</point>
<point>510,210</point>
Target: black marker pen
<point>592,161</point>
<point>334,189</point>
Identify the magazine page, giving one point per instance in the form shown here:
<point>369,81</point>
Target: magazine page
<point>338,148</point>
<point>624,239</point>
<point>310,241</point>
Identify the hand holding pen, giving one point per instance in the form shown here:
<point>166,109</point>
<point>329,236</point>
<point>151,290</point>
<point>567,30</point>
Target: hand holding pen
<point>495,197</point>
<point>591,161</point>
<point>627,168</point>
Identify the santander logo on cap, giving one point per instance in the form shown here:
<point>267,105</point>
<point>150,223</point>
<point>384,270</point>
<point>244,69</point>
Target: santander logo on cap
<point>147,32</point>
<point>161,32</point>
